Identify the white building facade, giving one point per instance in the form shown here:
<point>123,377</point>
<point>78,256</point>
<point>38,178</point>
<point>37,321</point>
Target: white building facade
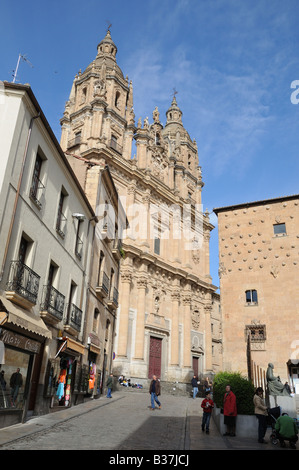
<point>46,228</point>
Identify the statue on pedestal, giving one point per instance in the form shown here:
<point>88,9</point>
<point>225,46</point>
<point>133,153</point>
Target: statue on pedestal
<point>275,387</point>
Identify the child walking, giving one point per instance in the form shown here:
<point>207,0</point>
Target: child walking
<point>207,405</point>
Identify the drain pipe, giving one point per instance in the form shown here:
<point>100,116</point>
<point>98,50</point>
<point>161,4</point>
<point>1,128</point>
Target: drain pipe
<point>17,195</point>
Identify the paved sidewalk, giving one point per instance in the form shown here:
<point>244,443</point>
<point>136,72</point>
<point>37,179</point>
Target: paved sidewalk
<point>183,427</point>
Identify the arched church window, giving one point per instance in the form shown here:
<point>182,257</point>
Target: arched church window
<point>117,96</point>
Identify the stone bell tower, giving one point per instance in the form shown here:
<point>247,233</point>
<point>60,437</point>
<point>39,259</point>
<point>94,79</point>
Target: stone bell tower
<point>99,113</point>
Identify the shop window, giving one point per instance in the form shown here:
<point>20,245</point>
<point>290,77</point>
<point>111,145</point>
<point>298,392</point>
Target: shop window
<point>15,367</point>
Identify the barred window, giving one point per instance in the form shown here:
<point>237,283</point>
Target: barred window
<point>257,333</point>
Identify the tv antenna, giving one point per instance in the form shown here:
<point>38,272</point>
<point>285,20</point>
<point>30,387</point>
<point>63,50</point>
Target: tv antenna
<point>24,59</point>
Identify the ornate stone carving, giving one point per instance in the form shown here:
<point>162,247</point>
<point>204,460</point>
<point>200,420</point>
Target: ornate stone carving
<point>156,115</point>
<point>100,89</point>
<point>142,282</point>
<point>222,270</point>
<point>126,276</point>
<point>196,256</point>
<point>274,271</point>
<point>195,319</point>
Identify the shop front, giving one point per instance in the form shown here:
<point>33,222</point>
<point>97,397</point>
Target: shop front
<point>22,338</point>
<point>67,377</point>
<point>95,373</point>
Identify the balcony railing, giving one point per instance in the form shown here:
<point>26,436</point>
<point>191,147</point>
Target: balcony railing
<point>115,146</point>
<point>22,281</point>
<point>52,304</point>
<point>113,298</point>
<point>73,142</point>
<point>103,285</point>
<point>61,224</point>
<point>74,317</point>
<point>79,247</point>
<point>36,191</point>
<point>117,250</point>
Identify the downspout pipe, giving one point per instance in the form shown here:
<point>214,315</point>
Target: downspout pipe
<point>17,194</point>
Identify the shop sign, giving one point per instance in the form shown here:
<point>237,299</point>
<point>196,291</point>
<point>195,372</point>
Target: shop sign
<point>12,339</point>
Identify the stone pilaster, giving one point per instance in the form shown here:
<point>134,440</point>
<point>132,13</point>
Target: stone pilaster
<point>175,299</point>
<point>139,341</point>
<point>126,278</point>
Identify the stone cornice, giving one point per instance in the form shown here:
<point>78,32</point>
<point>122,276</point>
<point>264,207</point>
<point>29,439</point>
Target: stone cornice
<point>150,259</point>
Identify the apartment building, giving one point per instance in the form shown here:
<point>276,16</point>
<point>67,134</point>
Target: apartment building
<point>47,229</point>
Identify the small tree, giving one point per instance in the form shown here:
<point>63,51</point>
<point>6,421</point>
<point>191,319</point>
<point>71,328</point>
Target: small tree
<point>242,388</point>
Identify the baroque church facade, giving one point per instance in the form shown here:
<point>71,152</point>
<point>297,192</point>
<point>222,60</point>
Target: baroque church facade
<point>168,320</point>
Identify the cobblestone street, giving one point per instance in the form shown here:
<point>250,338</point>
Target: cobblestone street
<point>124,423</point>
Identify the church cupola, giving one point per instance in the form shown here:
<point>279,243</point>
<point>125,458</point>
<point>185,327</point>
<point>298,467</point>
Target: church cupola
<point>174,114</point>
<point>107,46</point>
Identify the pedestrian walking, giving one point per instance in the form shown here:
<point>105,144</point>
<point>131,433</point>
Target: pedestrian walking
<point>194,383</point>
<point>207,405</point>
<point>155,391</point>
<point>229,411</point>
<point>261,412</point>
<point>16,382</point>
<point>207,385</point>
<point>109,385</point>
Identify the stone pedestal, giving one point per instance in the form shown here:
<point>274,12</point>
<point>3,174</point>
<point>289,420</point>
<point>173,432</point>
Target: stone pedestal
<point>287,404</point>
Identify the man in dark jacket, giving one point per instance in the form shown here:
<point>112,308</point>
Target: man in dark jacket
<point>16,382</point>
<point>155,391</point>
<point>194,383</point>
<point>109,385</point>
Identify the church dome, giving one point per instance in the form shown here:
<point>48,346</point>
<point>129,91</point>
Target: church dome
<point>107,51</point>
<point>107,46</point>
<point>174,114</point>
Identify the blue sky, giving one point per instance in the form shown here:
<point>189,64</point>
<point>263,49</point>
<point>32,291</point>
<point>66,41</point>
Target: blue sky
<point>232,63</point>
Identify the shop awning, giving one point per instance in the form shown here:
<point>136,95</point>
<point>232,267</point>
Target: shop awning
<point>11,313</point>
<point>72,345</point>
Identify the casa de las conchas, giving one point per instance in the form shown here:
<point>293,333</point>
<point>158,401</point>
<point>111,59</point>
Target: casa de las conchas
<point>168,317</point>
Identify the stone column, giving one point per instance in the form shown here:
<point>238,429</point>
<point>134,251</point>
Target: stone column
<point>208,337</point>
<point>175,298</point>
<point>207,236</point>
<point>125,288</point>
<point>176,233</point>
<point>187,329</point>
<point>139,339</point>
<point>97,122</point>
